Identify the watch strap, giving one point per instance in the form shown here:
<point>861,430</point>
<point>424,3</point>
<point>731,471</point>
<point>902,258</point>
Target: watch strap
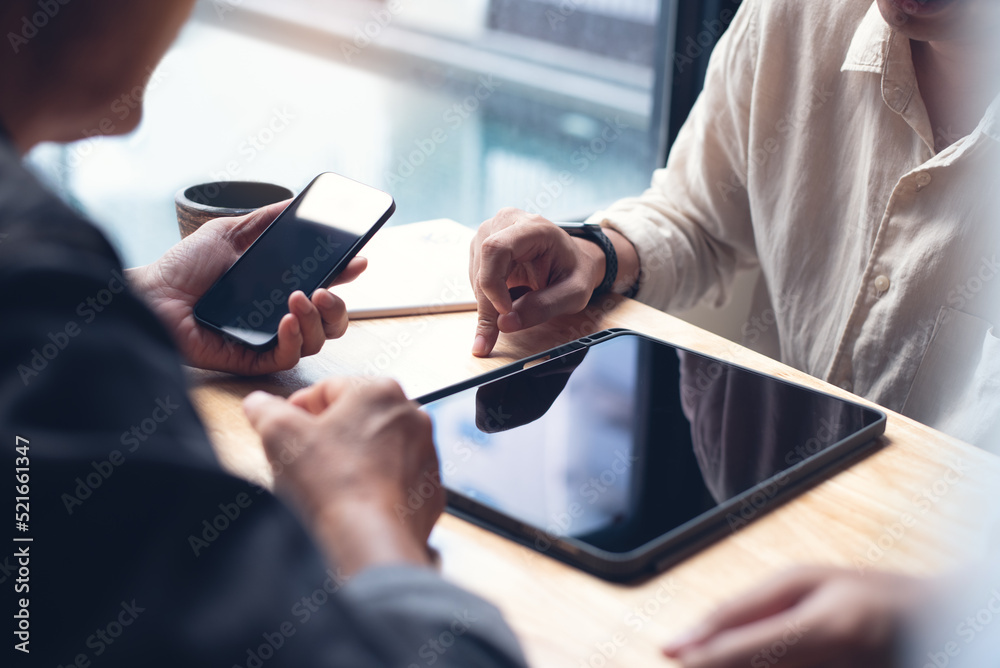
<point>595,234</point>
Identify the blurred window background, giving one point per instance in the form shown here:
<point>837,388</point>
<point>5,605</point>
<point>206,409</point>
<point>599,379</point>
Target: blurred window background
<point>456,107</point>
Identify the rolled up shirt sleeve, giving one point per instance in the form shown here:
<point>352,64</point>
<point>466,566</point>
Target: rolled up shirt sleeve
<point>692,228</point>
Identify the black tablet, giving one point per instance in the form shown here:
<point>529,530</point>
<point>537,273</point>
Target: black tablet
<point>622,454</point>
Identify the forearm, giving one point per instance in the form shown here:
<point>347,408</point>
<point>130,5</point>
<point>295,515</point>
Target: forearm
<point>356,536</point>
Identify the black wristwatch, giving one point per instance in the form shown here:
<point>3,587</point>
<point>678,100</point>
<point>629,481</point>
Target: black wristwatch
<point>593,232</point>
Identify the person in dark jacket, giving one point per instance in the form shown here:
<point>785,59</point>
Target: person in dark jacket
<point>131,546</point>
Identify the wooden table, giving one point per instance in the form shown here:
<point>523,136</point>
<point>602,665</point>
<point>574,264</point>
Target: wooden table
<point>900,509</point>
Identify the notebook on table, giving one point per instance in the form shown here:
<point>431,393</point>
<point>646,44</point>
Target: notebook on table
<point>413,269</point>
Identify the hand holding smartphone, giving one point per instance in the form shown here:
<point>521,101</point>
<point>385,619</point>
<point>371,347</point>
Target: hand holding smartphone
<point>305,248</point>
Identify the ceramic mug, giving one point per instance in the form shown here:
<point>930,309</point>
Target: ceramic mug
<point>198,204</point>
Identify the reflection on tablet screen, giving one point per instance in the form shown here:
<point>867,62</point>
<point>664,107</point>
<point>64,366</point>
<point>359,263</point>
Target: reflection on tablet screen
<point>621,442</point>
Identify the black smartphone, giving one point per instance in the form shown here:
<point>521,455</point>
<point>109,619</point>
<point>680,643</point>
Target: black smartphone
<point>305,248</point>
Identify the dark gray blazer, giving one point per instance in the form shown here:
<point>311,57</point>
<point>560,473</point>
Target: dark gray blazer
<point>145,552</point>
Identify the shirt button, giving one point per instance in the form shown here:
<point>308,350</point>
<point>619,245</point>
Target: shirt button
<point>882,283</point>
<point>924,179</point>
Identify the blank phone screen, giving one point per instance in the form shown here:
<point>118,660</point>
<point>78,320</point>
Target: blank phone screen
<point>314,236</point>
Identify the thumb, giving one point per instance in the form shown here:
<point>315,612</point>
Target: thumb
<point>272,417</point>
<point>252,225</point>
<point>539,306</point>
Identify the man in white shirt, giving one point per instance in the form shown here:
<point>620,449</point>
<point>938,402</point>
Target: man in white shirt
<point>921,206</point>
<point>845,149</point>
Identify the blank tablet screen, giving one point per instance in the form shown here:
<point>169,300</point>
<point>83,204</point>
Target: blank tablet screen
<point>619,443</point>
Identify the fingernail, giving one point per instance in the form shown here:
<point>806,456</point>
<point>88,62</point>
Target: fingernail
<point>684,641</point>
<point>480,346</point>
<point>255,399</point>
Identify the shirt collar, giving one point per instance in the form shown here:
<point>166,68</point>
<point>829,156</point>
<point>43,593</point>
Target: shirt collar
<point>878,49</point>
<point>870,44</point>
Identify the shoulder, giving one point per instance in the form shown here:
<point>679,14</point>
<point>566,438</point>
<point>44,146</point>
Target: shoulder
<point>38,229</point>
<point>809,17</point>
<point>805,28</point>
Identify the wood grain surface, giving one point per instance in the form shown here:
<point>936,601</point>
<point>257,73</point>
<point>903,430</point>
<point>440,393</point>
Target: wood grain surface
<point>905,508</point>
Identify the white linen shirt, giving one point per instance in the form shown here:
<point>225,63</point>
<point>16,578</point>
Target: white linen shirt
<point>810,154</point>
